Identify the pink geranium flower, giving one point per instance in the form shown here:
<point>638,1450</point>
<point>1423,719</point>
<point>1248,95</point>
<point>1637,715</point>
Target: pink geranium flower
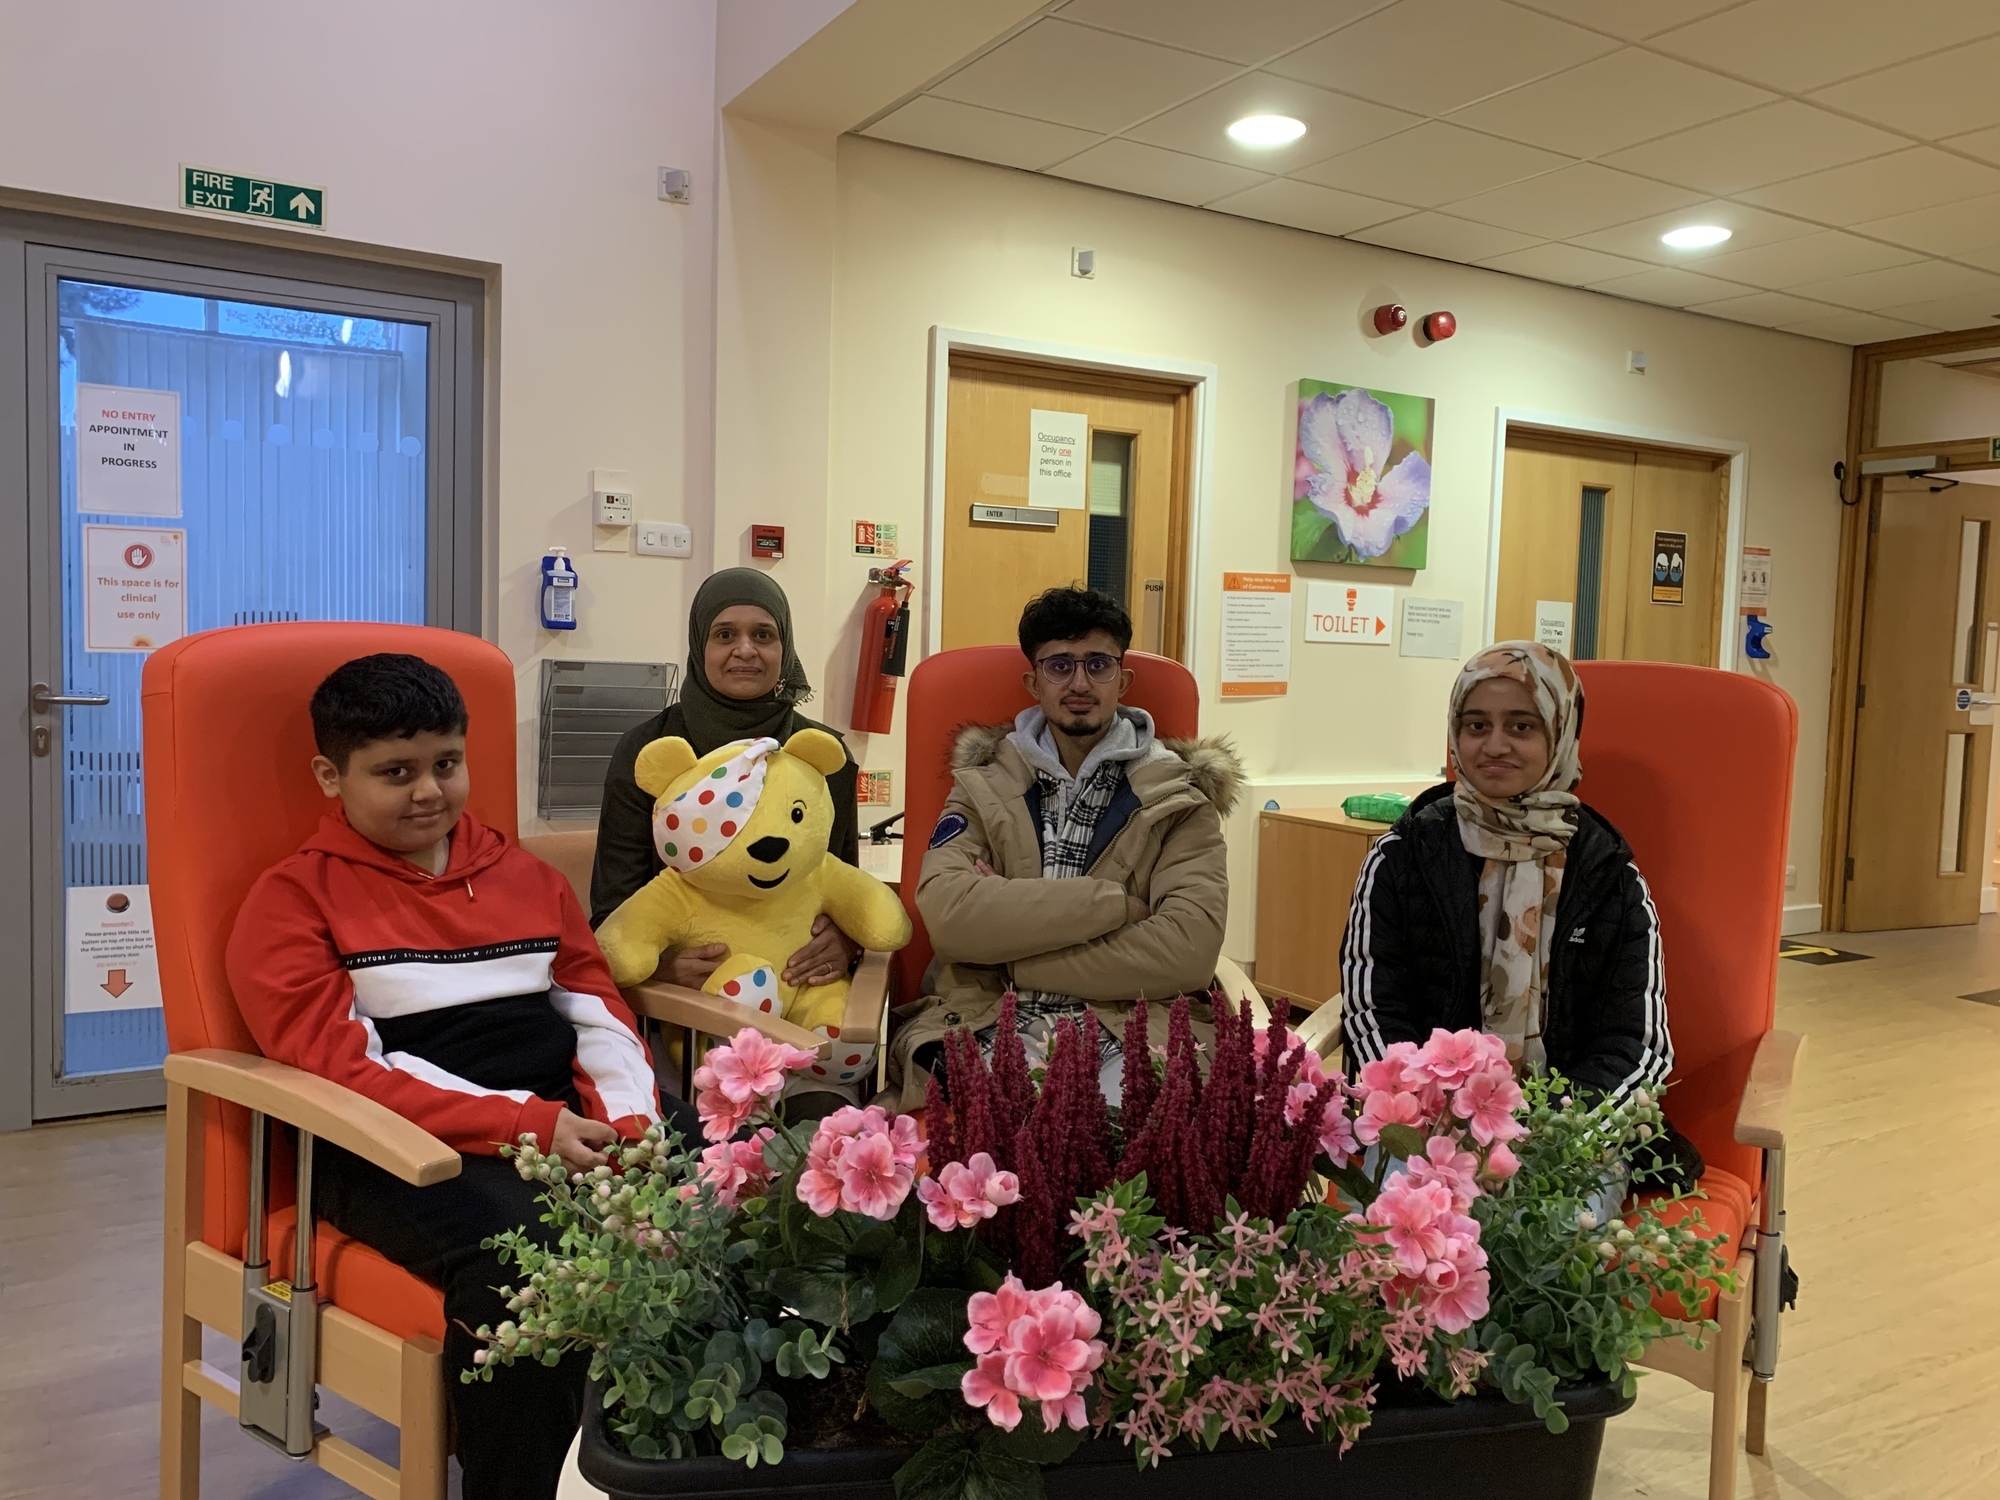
<point>736,1169</point>
<point>1443,1162</point>
<point>1382,1108</point>
<point>751,1066</point>
<point>1456,1285</point>
<point>721,1116</point>
<point>1451,1057</point>
<point>1336,1132</point>
<point>1488,1102</point>
<point>860,1161</point>
<point>964,1193</point>
<point>989,1315</point>
<point>871,1183</point>
<point>1414,1219</point>
<point>985,1384</point>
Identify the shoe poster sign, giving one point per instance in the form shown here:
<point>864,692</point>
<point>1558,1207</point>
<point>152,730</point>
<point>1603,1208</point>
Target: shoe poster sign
<point>1670,550</point>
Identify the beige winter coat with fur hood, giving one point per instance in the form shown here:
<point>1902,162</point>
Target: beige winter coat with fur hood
<point>1068,936</point>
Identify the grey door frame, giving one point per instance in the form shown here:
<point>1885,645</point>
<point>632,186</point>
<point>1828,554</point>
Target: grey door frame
<point>35,252</point>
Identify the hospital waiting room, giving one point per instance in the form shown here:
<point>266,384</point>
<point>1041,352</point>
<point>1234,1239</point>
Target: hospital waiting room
<point>1000,750</point>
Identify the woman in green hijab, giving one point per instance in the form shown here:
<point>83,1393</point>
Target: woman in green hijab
<point>744,681</point>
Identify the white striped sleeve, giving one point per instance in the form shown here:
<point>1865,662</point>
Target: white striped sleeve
<point>1358,1020</point>
<point>609,1055</point>
<point>1656,1045</point>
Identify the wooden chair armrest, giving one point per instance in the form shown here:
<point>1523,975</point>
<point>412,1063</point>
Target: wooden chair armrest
<point>1320,1030</point>
<point>867,1001</point>
<point>352,1121</point>
<point>712,1015</point>
<point>1767,1096</point>
<point>1238,991</point>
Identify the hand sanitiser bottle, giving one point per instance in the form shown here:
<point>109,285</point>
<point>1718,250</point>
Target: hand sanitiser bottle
<point>558,591</point>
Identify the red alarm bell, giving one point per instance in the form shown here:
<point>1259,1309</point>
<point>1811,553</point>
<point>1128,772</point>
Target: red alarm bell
<point>1439,325</point>
<point>1390,316</point>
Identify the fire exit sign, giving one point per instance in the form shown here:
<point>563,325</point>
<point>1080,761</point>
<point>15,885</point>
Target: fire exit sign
<point>208,191</point>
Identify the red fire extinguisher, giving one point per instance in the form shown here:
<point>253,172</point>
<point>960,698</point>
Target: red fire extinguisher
<point>885,638</point>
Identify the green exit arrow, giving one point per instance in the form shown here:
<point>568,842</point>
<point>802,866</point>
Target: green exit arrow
<point>207,190</point>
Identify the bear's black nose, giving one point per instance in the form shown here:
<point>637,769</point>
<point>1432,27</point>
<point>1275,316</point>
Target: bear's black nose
<point>770,850</point>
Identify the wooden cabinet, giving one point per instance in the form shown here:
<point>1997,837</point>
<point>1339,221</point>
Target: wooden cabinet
<point>1307,859</point>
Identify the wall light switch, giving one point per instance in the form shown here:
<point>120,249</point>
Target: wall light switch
<point>665,539</point>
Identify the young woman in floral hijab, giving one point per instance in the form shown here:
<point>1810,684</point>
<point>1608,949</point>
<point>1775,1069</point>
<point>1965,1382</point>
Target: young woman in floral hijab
<point>1501,901</point>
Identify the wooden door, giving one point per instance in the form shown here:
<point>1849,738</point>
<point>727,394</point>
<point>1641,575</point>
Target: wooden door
<point>1930,638</point>
<point>1131,538</point>
<point>1579,523</point>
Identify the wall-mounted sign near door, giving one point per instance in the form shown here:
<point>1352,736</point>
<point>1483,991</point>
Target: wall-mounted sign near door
<point>1670,567</point>
<point>208,191</point>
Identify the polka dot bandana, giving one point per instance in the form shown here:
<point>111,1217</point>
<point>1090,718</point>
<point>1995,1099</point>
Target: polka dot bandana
<point>692,829</point>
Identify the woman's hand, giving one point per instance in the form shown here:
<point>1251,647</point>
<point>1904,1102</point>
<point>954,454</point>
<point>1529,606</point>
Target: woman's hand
<point>825,958</point>
<point>690,967</point>
<point>578,1141</point>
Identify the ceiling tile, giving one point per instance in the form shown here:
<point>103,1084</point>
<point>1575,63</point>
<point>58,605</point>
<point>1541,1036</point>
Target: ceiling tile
<point>1879,187</point>
<point>1432,164</point>
<point>1769,309</point>
<point>1786,139</point>
<point>1575,200</point>
<point>1668,286</point>
<point>1854,328</point>
<point>1239,33</point>
<point>1572,265</point>
<point>1968,224</point>
<point>1967,311</point>
<point>1921,281</point>
<point>1614,102</point>
<point>983,134</point>
<point>1986,255</point>
<point>1812,257</point>
<point>1333,122</point>
<point>1131,167</point>
<point>1075,76</point>
<point>1634,20</point>
<point>1433,56</point>
<point>1931,96</point>
<point>1984,144</point>
<point>1748,227</point>
<point>1795,45</point>
<point>1302,205</point>
<point>1444,238</point>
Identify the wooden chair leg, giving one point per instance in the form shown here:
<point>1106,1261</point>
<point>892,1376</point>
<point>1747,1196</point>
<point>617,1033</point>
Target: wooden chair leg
<point>1732,1314</point>
<point>423,1465</point>
<point>1753,1424</point>
<point>180,1335</point>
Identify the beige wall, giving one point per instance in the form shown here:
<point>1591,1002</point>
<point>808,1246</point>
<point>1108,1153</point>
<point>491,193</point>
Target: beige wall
<point>516,133</point>
<point>1926,402</point>
<point>928,240</point>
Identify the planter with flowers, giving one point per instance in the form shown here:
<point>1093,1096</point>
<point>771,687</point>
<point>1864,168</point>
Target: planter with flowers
<point>1250,1271</point>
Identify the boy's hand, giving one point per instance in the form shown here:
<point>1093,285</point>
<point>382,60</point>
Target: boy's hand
<point>577,1141</point>
<point>690,967</point>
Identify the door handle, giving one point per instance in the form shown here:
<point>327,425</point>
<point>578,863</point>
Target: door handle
<point>43,700</point>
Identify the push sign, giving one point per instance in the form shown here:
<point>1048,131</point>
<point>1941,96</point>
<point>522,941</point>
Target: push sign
<point>208,191</point>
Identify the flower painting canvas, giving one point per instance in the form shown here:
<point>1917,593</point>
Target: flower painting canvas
<point>1361,476</point>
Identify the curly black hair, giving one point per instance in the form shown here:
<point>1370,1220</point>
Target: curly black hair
<point>1070,614</point>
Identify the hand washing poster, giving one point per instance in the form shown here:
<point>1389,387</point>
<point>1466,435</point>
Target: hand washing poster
<point>1361,476</point>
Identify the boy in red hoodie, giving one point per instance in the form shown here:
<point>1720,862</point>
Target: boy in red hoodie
<point>411,954</point>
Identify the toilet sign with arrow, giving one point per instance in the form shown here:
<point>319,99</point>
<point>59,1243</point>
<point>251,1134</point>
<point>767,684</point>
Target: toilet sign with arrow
<point>108,962</point>
<point>1355,614</point>
<point>208,191</point>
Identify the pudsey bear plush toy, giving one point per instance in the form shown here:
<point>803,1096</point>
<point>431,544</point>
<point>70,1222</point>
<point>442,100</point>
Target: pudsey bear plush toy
<point>743,834</point>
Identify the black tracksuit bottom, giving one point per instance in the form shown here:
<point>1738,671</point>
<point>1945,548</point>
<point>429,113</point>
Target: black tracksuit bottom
<point>514,1430</point>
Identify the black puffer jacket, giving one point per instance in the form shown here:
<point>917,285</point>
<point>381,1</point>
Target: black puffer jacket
<point>1412,960</point>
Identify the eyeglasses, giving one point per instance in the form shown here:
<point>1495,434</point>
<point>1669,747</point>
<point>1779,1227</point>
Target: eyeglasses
<point>1059,669</point>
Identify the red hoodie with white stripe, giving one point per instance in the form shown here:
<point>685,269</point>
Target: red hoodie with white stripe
<point>474,1003</point>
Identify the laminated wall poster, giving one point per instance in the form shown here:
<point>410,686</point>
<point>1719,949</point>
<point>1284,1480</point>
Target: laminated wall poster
<point>1361,476</point>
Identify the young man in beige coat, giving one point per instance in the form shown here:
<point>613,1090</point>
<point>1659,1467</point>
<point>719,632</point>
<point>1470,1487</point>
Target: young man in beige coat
<point>1079,859</point>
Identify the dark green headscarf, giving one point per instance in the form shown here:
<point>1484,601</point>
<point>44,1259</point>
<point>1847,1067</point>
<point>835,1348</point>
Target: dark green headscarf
<point>714,719</point>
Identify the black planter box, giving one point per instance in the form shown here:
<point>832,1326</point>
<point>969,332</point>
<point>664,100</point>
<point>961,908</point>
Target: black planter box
<point>1482,1445</point>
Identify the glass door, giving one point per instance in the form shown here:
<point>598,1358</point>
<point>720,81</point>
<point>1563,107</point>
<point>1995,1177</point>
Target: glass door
<point>205,449</point>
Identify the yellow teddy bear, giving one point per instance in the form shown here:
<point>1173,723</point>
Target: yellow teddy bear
<point>743,834</point>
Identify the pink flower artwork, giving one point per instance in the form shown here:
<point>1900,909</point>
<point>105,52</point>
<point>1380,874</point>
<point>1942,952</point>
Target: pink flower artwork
<point>1347,441</point>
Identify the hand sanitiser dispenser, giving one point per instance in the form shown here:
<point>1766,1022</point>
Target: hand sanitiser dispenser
<point>558,590</point>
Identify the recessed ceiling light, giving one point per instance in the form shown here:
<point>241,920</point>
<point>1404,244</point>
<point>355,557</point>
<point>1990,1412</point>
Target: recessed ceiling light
<point>1695,236</point>
<point>1267,130</point>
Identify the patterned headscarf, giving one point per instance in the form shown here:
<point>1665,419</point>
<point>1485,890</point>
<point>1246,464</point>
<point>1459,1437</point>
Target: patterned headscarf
<point>1524,841</point>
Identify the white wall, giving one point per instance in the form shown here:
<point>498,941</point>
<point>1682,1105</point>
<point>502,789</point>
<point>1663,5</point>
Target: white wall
<point>517,133</point>
<point>1926,402</point>
<point>925,239</point>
